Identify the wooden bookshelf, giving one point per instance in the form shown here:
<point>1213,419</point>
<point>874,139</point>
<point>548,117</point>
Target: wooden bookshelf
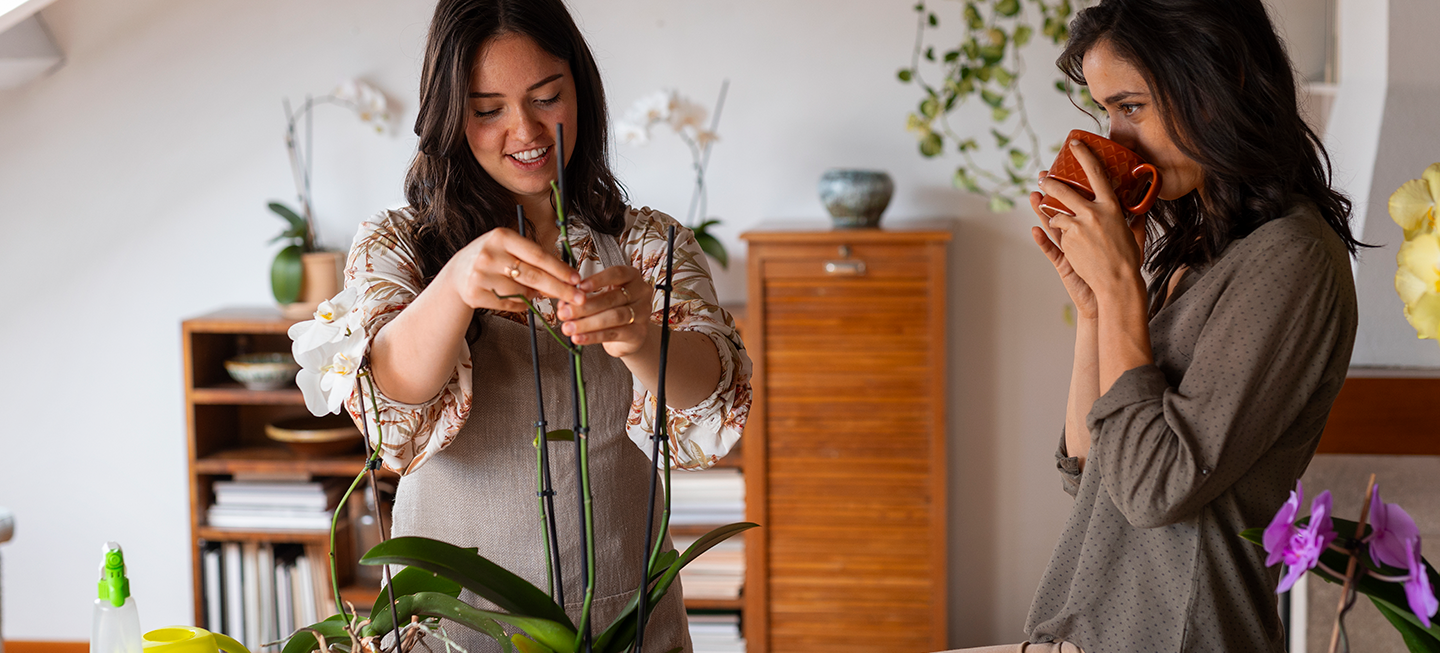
<point>225,426</point>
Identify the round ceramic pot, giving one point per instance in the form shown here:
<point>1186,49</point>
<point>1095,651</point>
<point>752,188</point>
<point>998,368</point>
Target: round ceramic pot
<point>855,198</point>
<point>320,280</point>
<point>265,371</point>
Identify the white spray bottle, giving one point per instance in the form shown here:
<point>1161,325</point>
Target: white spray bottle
<point>116,623</point>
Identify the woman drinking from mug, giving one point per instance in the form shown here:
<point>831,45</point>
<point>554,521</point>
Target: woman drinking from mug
<point>452,359</point>
<point>1213,334</point>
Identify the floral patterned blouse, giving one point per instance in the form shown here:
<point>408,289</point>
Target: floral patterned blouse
<point>384,269</point>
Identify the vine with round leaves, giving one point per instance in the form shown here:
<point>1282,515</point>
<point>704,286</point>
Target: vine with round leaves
<point>986,64</point>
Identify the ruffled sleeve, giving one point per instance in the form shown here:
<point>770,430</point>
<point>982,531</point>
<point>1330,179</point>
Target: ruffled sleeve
<point>704,433</point>
<point>383,268</point>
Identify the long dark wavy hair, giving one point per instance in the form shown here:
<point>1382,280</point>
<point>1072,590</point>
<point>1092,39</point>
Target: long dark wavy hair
<point>454,200</point>
<point>1226,89</point>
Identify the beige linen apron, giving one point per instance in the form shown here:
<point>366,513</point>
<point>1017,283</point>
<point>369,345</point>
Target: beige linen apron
<point>480,490</point>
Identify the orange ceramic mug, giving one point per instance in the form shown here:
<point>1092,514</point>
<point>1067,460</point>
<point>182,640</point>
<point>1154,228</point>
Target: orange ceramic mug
<point>1129,175</point>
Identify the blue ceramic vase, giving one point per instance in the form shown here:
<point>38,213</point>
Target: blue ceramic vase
<point>855,198</point>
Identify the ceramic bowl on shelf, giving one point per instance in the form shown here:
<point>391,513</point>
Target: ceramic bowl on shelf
<point>855,198</point>
<point>315,437</point>
<point>267,371</point>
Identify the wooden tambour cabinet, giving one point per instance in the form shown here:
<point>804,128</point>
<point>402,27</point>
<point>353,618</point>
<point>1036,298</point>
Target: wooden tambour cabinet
<point>845,454</point>
<point>226,425</point>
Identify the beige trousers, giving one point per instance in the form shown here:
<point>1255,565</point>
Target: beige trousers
<point>1023,647</point>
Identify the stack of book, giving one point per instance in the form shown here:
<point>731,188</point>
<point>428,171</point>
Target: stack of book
<point>716,633</point>
<point>273,505</point>
<point>258,593</point>
<point>718,574</point>
<point>713,496</point>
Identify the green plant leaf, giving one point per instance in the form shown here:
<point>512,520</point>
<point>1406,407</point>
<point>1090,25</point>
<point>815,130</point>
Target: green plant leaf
<point>303,640</point>
<point>931,145</point>
<point>524,644</point>
<point>1001,204</point>
<point>969,145</point>
<point>558,637</point>
<point>1001,140</point>
<point>1003,77</point>
<point>999,114</point>
<point>964,180</point>
<point>1022,35</point>
<point>970,48</point>
<point>932,20</point>
<point>930,53</point>
<point>991,98</point>
<point>296,222</point>
<point>285,273</point>
<point>617,636</point>
<point>905,75</point>
<point>663,562</point>
<point>952,56</point>
<point>1018,158</point>
<point>411,580</point>
<point>712,246</point>
<point>558,435</point>
<point>1416,639</point>
<point>473,572</point>
<point>1007,8</point>
<point>972,16</point>
<point>930,108</point>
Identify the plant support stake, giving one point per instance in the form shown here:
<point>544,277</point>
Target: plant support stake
<point>542,445</point>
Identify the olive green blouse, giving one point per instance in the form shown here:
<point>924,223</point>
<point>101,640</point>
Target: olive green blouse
<point>1250,352</point>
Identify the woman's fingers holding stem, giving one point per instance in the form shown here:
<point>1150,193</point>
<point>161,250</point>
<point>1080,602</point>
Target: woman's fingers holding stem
<point>527,264</point>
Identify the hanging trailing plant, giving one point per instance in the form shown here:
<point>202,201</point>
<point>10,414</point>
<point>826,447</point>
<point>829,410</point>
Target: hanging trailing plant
<point>986,64</point>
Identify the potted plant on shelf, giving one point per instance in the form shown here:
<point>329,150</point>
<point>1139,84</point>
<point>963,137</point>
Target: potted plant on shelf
<point>303,274</point>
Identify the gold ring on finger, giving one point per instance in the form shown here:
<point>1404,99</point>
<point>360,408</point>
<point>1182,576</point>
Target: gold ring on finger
<point>632,315</point>
<point>514,270</point>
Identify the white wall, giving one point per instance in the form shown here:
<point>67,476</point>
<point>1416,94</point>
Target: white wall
<point>134,181</point>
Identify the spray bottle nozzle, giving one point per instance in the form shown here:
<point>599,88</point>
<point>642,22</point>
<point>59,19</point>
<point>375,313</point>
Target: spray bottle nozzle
<point>114,586</point>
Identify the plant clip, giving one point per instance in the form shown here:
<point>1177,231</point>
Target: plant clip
<point>582,432</point>
<point>664,287</point>
<point>545,493</point>
<point>540,424</point>
<point>372,464</point>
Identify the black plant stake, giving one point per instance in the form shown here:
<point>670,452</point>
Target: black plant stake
<point>662,434</point>
<point>542,445</point>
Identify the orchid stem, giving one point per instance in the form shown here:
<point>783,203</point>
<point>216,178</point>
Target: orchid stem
<point>544,492</point>
<point>1346,596</point>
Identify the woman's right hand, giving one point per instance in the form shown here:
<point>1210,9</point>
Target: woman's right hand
<point>1048,238</point>
<point>502,262</point>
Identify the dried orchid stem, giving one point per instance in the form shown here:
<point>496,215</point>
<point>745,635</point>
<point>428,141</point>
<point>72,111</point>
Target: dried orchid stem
<point>1351,577</point>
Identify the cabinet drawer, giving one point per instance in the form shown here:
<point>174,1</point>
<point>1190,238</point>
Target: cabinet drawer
<point>843,261</point>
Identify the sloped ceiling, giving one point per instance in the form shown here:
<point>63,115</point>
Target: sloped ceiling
<point>26,49</point>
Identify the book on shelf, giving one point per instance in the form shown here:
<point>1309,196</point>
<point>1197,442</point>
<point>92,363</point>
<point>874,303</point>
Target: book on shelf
<point>260,592</point>
<point>717,574</point>
<point>273,505</point>
<point>716,633</point>
<point>267,519</point>
<point>712,496</point>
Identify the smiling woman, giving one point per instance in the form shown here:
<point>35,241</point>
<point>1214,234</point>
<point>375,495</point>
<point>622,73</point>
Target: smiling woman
<point>452,358</point>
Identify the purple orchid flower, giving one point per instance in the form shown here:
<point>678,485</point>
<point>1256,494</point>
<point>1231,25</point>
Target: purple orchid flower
<point>1393,527</point>
<point>1417,589</point>
<point>1299,548</point>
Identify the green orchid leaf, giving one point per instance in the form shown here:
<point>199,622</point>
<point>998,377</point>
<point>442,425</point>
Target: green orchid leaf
<point>663,563</point>
<point>559,638</point>
<point>285,274</point>
<point>712,246</point>
<point>621,631</point>
<point>296,222</point>
<point>524,644</point>
<point>1416,639</point>
<point>303,640</point>
<point>473,572</point>
<point>1022,35</point>
<point>411,580</point>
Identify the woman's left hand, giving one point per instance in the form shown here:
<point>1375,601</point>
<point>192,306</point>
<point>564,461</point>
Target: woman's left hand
<point>1098,241</point>
<point>616,314</point>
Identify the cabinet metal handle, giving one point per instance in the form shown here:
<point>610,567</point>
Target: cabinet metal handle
<point>847,268</point>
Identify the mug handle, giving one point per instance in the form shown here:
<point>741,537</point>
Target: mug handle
<point>1150,195</point>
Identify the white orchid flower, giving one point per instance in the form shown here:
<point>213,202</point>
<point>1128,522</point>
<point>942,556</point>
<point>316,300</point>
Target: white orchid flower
<point>335,319</point>
<point>328,374</point>
<point>369,102</point>
<point>685,114</point>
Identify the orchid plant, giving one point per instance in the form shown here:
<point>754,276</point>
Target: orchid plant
<point>330,350</point>
<point>371,106</point>
<point>1372,561</point>
<point>687,119</point>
